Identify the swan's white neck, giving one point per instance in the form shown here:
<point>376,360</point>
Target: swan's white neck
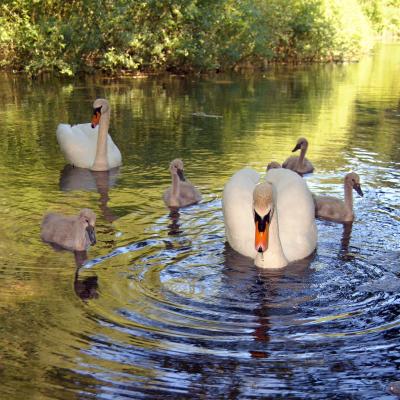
<point>100,160</point>
<point>273,257</point>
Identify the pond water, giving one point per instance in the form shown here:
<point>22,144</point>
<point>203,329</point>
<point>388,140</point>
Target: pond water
<point>162,307</point>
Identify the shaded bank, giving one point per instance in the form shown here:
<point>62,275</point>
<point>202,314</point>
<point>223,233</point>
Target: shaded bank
<point>185,35</point>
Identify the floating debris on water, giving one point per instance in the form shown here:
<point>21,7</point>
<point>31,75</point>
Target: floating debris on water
<point>204,115</point>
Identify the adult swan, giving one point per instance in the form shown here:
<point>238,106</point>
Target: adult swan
<point>87,146</point>
<point>272,222</point>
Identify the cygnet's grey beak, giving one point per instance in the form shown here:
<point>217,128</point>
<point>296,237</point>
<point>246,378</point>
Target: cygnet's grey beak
<point>181,175</point>
<point>357,188</point>
<point>91,233</point>
<point>297,147</point>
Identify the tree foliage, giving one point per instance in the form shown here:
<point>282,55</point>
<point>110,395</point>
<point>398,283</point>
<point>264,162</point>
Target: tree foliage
<point>185,35</point>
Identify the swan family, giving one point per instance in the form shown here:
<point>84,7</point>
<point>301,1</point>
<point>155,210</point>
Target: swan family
<point>269,219</point>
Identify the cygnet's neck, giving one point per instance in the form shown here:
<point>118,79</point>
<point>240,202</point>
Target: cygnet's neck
<point>348,198</point>
<point>300,160</point>
<point>175,192</point>
<point>100,160</point>
<point>80,235</point>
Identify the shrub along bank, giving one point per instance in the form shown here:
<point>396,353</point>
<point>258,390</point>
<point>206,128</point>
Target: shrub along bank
<point>186,35</point>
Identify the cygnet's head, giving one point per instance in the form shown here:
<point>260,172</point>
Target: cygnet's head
<point>301,144</point>
<point>100,106</point>
<point>263,210</point>
<point>176,168</point>
<point>273,164</point>
<point>353,180</point>
<point>88,219</point>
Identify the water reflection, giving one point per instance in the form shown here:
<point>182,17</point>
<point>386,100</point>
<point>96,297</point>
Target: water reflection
<point>264,288</point>
<point>174,225</point>
<point>86,288</point>
<point>73,178</point>
<point>345,241</point>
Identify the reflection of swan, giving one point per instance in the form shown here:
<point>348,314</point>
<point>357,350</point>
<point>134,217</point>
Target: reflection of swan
<point>70,232</point>
<point>272,222</point>
<point>174,225</point>
<point>182,193</point>
<point>299,164</point>
<point>86,147</point>
<point>345,241</point>
<point>83,179</point>
<point>85,288</point>
<point>261,290</point>
<point>334,209</point>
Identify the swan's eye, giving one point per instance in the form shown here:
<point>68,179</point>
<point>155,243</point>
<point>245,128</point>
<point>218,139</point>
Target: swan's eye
<point>97,110</point>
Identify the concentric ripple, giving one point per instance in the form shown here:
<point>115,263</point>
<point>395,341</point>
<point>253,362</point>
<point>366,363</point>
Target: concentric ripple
<point>194,304</point>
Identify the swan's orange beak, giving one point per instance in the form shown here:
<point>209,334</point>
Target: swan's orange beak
<point>261,241</point>
<point>96,118</point>
<point>262,232</point>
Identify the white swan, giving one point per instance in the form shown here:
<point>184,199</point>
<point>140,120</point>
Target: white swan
<point>182,193</point>
<point>89,146</point>
<point>299,164</point>
<point>334,209</point>
<point>272,222</point>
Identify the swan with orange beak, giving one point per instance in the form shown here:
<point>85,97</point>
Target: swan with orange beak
<point>90,145</point>
<point>273,221</point>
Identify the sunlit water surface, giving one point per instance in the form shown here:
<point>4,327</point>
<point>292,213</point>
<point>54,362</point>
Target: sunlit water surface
<point>162,307</point>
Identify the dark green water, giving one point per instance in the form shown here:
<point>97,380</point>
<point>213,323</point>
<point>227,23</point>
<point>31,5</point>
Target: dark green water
<point>162,308</point>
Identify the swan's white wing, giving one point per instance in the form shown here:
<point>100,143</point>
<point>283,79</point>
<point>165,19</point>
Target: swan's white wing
<point>296,213</point>
<point>237,206</point>
<point>78,144</point>
<point>114,157</point>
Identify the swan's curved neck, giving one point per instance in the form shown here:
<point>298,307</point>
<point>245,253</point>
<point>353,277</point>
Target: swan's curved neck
<point>348,198</point>
<point>175,186</point>
<point>273,257</point>
<point>79,233</point>
<point>300,160</point>
<point>100,160</point>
